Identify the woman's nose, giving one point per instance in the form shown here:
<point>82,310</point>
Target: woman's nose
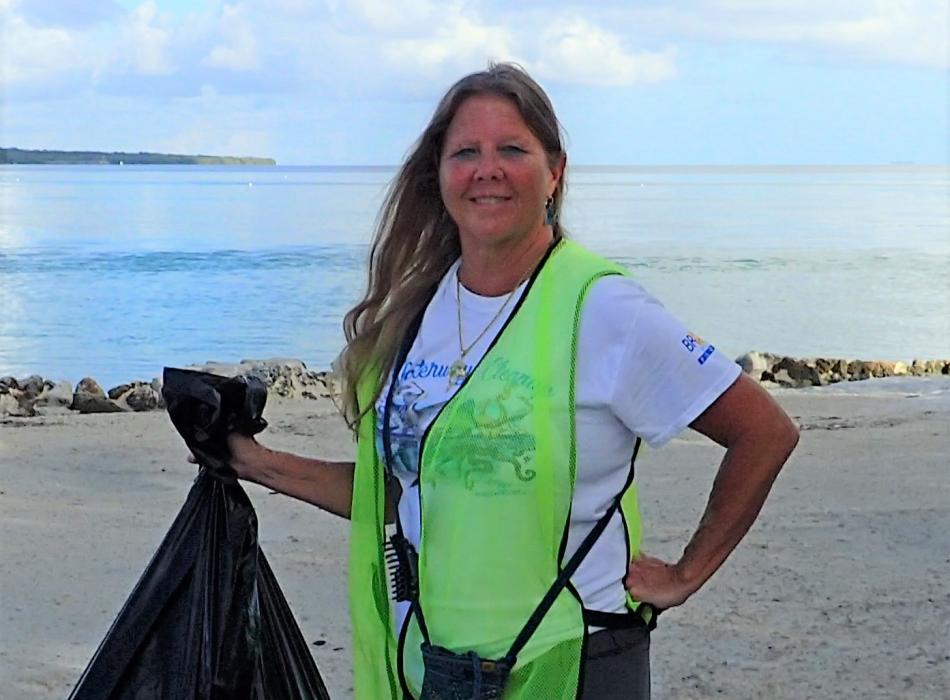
<point>488,168</point>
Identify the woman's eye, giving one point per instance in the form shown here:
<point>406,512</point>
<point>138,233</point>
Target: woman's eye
<point>513,149</point>
<point>464,153</point>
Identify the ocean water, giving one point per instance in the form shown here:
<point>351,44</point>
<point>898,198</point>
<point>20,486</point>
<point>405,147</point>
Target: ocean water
<point>116,271</point>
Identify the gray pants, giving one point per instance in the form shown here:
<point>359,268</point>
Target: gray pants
<point>617,665</point>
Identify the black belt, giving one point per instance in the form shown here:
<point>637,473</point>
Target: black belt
<point>624,620</point>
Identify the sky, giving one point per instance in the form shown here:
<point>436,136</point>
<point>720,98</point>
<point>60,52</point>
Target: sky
<point>338,82</point>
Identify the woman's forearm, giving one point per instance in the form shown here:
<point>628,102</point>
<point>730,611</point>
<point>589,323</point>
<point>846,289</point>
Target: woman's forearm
<point>742,484</point>
<point>758,437</point>
<point>328,485</point>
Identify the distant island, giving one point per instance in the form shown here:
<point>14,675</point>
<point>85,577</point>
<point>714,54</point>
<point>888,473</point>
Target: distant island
<point>22,156</point>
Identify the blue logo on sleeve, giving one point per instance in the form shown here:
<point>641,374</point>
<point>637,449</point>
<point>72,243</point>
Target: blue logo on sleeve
<point>692,341</point>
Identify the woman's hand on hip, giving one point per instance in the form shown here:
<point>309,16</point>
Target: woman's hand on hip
<point>654,581</point>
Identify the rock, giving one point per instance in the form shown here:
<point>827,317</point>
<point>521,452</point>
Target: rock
<point>142,397</point>
<point>17,403</point>
<point>7,383</point>
<point>783,378</point>
<point>88,385</point>
<point>785,363</point>
<point>92,403</point>
<point>798,371</point>
<point>791,371</point>
<point>756,363</point>
<point>156,385</point>
<point>881,369</point>
<point>286,378</point>
<point>60,395</point>
<point>32,386</point>
<point>858,370</point>
<point>90,398</point>
<point>117,391</point>
<point>9,406</point>
<point>137,396</point>
<point>333,388</point>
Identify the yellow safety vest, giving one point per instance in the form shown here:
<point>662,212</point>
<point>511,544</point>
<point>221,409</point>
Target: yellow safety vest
<point>496,479</point>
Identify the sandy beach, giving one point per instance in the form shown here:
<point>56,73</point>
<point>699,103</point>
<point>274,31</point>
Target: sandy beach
<point>839,591</point>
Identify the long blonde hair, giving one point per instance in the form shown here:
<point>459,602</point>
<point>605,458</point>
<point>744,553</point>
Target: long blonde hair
<point>416,241</point>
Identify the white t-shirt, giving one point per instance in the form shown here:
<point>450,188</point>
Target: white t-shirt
<point>640,372</point>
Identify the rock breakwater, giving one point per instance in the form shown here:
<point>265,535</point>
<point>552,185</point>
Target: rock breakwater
<point>290,379</point>
<point>36,395</point>
<point>780,370</point>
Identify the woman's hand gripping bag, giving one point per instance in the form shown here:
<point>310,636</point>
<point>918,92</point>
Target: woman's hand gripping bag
<point>207,619</point>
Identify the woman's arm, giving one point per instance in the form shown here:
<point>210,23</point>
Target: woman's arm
<point>759,437</point>
<point>328,485</point>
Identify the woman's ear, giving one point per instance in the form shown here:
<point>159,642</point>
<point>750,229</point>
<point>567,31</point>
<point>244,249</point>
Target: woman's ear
<point>557,171</point>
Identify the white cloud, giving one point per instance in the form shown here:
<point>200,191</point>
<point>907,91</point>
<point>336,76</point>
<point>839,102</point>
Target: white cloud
<point>145,43</point>
<point>576,51</point>
<point>910,32</point>
<point>33,54</point>
<point>456,45</point>
<point>239,51</point>
<point>363,47</point>
<point>902,32</point>
<point>390,18</point>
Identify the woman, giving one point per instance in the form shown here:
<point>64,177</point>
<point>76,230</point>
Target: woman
<point>500,378</point>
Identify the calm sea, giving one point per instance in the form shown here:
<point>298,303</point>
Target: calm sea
<point>116,271</point>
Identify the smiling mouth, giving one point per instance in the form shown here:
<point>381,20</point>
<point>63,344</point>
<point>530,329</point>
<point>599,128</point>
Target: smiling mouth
<point>489,200</point>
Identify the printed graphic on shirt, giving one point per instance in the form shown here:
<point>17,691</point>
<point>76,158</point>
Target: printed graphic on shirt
<point>404,422</point>
<point>423,369</point>
<point>693,342</point>
<point>410,411</point>
<point>487,447</point>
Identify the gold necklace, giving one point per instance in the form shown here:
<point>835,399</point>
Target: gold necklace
<point>457,371</point>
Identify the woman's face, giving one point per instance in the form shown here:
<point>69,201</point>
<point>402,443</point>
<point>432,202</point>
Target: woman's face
<point>494,174</point>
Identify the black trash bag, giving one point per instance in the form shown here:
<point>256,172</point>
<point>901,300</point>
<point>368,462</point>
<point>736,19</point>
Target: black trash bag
<point>207,620</point>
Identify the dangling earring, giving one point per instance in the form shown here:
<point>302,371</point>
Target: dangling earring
<point>550,214</point>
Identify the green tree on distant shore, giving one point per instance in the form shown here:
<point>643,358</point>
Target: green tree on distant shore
<point>20,156</point>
